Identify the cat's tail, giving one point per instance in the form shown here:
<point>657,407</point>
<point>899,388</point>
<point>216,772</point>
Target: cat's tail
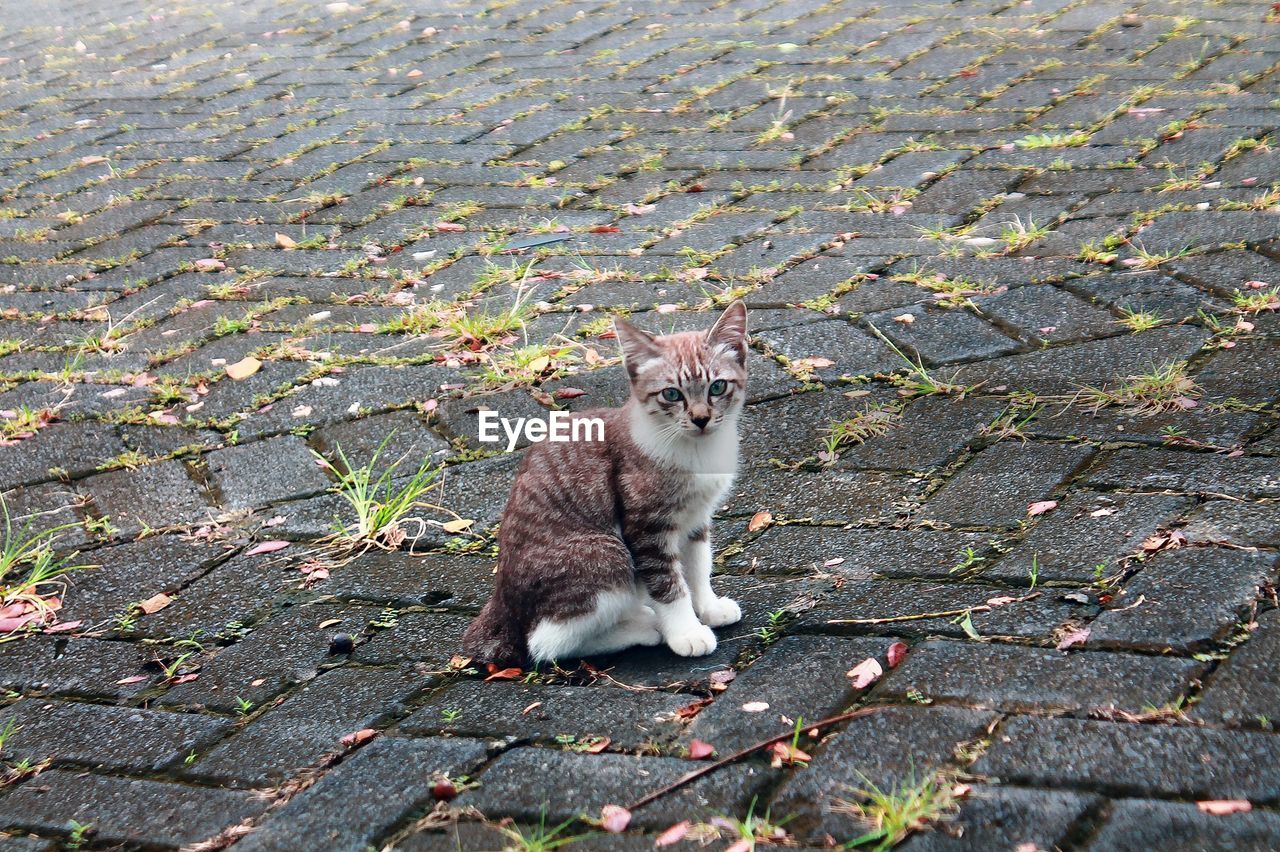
<point>496,636</point>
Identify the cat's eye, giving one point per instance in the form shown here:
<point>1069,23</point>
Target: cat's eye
<point>672,394</point>
<point>718,387</point>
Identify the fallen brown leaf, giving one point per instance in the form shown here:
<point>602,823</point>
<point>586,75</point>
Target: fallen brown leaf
<point>244,368</point>
<point>614,819</point>
<point>1222,807</point>
<point>155,603</point>
<point>865,673</point>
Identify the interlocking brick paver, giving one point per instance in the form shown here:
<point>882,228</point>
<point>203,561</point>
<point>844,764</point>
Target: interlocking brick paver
<point>238,235</point>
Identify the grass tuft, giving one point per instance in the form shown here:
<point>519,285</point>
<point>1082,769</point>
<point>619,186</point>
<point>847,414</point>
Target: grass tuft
<point>381,502</point>
<point>893,815</point>
<point>1164,388</point>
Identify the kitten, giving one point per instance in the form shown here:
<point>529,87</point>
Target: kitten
<point>605,545</point>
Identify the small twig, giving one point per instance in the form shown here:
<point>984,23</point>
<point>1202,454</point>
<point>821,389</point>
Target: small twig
<point>738,755</point>
<point>924,616</point>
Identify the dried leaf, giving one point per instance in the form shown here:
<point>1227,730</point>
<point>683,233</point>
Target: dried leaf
<point>674,834</point>
<point>688,711</point>
<point>1041,507</point>
<point>905,319</point>
<point>759,521</point>
<point>285,241</point>
<point>357,737</point>
<point>505,674</point>
<point>698,749</point>
<point>755,707</point>
<point>124,681</point>
<point>450,227</point>
<point>210,264</point>
<point>569,393</point>
<point>457,526</point>
<point>328,622</point>
<point>1074,637</point>
<point>597,745</point>
<point>865,673</point>
<point>897,652</point>
<point>614,819</point>
<point>244,368</point>
<point>785,754</point>
<point>155,603</point>
<point>1222,807</point>
<point>266,547</point>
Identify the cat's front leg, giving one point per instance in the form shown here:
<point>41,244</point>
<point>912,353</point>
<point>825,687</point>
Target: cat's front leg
<point>695,557</point>
<point>660,572</point>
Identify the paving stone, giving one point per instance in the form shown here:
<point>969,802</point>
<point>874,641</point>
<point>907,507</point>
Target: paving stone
<point>126,811</point>
<point>424,637</point>
<point>1037,617</point>
<point>588,782</point>
<point>852,351</point>
<point>1136,824</point>
<point>81,667</point>
<point>1006,479</point>
<point>408,441</point>
<point>1241,691</point>
<point>286,650</point>
<point>307,725</point>
<point>1119,757</point>
<point>77,449</point>
<point>1007,818</point>
<point>862,554</point>
<point>1086,530</point>
<point>261,472</point>
<point>1243,476</point>
<point>1022,679</point>
<point>929,433</point>
<point>1047,313</point>
<point>1064,369</point>
<point>1232,522</point>
<point>399,579</point>
<point>941,336</point>
<point>1191,598</point>
<point>820,496</point>
<point>910,743</point>
<point>366,795</point>
<point>220,601</point>
<point>815,687</point>
<point>119,738</point>
<point>156,495</point>
<point>545,713</point>
<point>127,573</point>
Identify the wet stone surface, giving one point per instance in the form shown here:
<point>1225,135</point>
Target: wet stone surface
<point>251,250</point>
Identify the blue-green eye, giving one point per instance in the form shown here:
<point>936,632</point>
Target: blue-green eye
<point>672,394</point>
<point>718,387</point>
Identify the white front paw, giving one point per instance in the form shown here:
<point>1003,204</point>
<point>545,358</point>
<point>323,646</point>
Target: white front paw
<point>694,642</point>
<point>719,612</point>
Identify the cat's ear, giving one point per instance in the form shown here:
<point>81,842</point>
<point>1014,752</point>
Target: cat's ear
<point>730,331</point>
<point>638,346</point>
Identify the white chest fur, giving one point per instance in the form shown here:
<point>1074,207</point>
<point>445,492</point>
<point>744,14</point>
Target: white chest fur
<point>704,466</point>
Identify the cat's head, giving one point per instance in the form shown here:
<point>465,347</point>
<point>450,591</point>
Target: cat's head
<point>693,383</point>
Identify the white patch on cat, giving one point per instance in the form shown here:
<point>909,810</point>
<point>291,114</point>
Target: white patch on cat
<point>620,620</point>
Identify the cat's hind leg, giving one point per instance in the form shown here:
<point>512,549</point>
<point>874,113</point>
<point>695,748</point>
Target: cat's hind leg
<point>618,621</point>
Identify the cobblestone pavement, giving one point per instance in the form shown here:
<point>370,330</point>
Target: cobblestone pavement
<point>1013,269</point>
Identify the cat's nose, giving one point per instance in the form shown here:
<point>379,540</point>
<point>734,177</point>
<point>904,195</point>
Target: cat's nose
<point>700,422</point>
